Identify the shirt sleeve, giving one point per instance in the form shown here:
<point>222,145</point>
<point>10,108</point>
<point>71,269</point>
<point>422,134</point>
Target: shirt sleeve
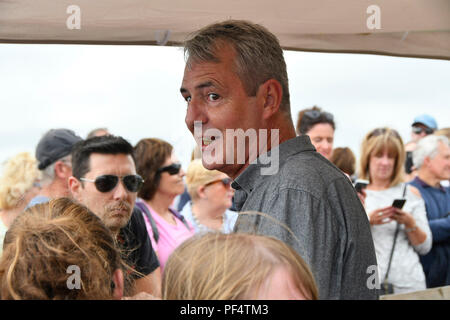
<point>420,215</point>
<point>440,229</point>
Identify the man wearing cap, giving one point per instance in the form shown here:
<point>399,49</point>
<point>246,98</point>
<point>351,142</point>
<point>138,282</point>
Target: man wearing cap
<point>422,126</point>
<point>53,154</point>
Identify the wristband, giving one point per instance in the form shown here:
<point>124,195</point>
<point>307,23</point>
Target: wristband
<point>410,229</point>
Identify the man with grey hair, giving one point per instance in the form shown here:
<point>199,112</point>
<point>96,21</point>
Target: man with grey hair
<point>53,154</point>
<point>432,158</point>
<point>236,86</point>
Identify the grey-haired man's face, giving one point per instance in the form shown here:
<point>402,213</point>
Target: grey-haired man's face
<point>218,101</point>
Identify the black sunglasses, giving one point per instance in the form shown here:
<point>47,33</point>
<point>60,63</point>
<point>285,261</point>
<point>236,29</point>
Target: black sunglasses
<point>172,169</point>
<point>108,182</point>
<point>225,181</point>
<point>419,130</point>
<point>315,114</point>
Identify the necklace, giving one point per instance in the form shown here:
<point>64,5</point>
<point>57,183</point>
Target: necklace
<point>201,226</point>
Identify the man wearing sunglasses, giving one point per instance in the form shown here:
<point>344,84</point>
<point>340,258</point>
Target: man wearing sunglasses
<point>105,180</point>
<point>421,127</point>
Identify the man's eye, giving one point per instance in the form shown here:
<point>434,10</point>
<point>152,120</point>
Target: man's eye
<point>213,96</point>
<point>188,99</point>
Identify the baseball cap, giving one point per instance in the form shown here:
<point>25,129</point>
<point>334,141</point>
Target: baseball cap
<point>427,120</point>
<point>54,145</point>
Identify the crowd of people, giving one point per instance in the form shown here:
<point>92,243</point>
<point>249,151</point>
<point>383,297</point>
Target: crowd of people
<point>99,218</point>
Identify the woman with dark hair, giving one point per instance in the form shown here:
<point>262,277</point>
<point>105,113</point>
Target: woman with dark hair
<point>319,126</point>
<point>344,159</point>
<point>163,182</point>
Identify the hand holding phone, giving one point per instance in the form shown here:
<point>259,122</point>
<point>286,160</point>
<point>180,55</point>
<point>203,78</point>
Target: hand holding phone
<point>360,184</point>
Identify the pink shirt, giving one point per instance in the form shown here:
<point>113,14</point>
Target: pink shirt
<point>170,235</point>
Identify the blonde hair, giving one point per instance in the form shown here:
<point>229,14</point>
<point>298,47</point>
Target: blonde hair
<point>19,174</point>
<point>48,238</point>
<point>232,266</point>
<point>443,132</point>
<point>376,141</point>
<point>197,175</point>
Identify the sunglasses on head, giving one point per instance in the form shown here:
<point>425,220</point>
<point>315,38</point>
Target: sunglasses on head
<point>381,131</point>
<point>225,181</point>
<point>108,182</point>
<point>172,169</point>
<point>419,130</point>
<point>315,114</point>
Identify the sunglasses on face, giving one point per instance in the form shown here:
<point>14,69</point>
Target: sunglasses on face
<point>315,114</point>
<point>108,182</point>
<point>225,181</point>
<point>172,169</point>
<point>419,130</point>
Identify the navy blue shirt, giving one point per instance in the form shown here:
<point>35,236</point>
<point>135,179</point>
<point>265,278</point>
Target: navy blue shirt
<point>436,262</point>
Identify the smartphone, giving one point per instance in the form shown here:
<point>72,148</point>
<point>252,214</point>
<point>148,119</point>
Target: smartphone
<point>360,184</point>
<point>399,203</point>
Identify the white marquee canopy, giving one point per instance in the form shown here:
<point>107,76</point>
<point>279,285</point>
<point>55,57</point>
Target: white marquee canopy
<point>409,28</point>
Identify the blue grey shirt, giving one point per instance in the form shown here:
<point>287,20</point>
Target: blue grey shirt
<point>318,203</point>
<point>37,200</point>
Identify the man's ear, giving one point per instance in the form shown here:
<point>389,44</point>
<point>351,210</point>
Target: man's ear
<point>62,170</point>
<point>426,162</point>
<point>75,187</point>
<point>118,284</point>
<point>271,94</point>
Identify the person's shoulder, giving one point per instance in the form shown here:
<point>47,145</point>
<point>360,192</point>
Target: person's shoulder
<point>308,170</point>
<point>136,224</point>
<point>415,191</point>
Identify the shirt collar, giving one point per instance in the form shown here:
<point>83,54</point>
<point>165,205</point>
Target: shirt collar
<point>423,184</point>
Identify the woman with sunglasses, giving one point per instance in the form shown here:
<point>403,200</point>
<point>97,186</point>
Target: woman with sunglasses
<point>399,229</point>
<point>319,126</point>
<point>163,182</point>
<point>211,195</point>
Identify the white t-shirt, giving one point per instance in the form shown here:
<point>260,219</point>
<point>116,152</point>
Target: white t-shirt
<point>406,273</point>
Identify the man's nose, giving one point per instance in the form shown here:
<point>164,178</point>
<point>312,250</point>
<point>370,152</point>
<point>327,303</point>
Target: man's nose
<point>194,113</point>
<point>120,192</point>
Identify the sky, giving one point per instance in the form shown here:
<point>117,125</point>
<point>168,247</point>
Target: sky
<point>134,92</point>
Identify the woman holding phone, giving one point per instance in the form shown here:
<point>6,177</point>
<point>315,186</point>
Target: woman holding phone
<point>400,229</point>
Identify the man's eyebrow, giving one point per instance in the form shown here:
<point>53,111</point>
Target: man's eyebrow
<point>200,86</point>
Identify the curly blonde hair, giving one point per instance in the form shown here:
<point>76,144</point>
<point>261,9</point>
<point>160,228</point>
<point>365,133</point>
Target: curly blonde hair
<point>19,174</point>
<point>48,238</point>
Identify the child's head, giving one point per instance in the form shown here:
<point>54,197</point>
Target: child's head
<point>236,266</point>
<point>50,245</point>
